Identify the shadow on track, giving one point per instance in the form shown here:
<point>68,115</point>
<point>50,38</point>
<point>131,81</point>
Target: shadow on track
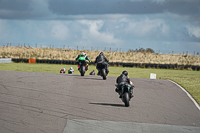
<point>79,76</point>
<point>109,104</point>
<point>94,78</point>
<point>69,75</point>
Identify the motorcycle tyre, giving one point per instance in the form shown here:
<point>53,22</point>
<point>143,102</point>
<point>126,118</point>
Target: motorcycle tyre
<point>103,73</point>
<point>82,70</point>
<point>126,99</point>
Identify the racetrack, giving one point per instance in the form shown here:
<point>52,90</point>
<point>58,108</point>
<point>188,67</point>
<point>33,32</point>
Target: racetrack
<point>32,102</point>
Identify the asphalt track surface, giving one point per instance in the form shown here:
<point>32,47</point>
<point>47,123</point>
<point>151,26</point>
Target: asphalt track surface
<point>32,102</point>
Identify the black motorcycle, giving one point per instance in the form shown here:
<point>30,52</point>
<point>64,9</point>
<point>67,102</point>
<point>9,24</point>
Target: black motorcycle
<point>102,71</point>
<point>125,94</point>
<point>82,67</point>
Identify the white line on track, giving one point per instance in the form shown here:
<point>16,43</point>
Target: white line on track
<point>196,104</point>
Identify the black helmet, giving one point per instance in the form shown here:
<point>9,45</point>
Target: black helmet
<point>101,53</point>
<point>125,73</point>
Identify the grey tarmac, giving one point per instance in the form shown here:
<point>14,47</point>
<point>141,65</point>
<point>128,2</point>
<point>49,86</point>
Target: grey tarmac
<point>32,102</point>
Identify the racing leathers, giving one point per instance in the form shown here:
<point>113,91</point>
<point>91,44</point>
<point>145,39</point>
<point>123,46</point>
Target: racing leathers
<point>63,70</point>
<point>121,80</point>
<point>100,60</point>
<point>71,70</point>
<point>83,56</point>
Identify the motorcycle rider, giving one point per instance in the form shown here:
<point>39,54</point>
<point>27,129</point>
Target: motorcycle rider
<point>92,73</point>
<point>71,70</point>
<point>121,80</point>
<point>83,54</point>
<point>100,60</point>
<point>63,70</point>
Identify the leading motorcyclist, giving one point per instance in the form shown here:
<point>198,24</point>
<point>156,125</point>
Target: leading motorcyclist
<point>83,54</point>
<point>121,80</point>
<point>100,60</point>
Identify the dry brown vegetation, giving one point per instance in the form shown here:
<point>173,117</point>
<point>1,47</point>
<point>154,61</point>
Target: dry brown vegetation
<point>126,57</point>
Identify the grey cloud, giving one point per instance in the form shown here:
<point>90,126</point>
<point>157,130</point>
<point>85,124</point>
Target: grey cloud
<point>24,9</point>
<point>190,8</point>
<point>13,9</point>
<point>15,5</point>
<point>72,7</point>
<point>57,9</point>
<point>75,7</point>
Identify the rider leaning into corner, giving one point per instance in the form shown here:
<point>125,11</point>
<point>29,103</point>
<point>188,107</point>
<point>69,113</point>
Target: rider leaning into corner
<point>123,79</point>
<point>83,54</point>
<point>100,59</point>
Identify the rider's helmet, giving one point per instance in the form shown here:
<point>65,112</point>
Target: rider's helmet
<point>101,53</point>
<point>125,73</point>
<point>83,53</point>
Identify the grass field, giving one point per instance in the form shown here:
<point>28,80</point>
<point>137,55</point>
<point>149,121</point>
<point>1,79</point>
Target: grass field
<point>190,80</point>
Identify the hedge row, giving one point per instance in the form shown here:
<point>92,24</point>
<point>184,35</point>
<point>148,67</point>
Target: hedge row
<point>139,65</point>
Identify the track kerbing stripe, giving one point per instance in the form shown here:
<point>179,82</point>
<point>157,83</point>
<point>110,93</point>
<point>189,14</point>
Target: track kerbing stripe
<point>193,100</point>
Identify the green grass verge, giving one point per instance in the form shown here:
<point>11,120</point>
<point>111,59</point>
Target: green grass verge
<point>190,80</point>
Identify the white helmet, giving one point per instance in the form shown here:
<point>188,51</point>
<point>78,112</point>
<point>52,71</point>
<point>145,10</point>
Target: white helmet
<point>83,53</point>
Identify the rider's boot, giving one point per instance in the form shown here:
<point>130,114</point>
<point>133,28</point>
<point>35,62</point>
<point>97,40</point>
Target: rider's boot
<point>131,92</point>
<point>107,71</point>
<point>120,95</point>
<point>132,95</point>
<point>98,73</point>
<point>86,68</point>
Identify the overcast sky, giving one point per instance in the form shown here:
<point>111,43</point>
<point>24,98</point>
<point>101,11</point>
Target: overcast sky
<point>165,25</point>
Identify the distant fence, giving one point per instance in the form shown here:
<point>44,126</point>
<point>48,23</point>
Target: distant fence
<point>91,48</point>
<point>138,65</point>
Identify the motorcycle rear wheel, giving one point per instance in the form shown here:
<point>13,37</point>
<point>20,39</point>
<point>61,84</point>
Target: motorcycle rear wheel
<point>103,73</point>
<point>126,99</point>
<point>82,70</point>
